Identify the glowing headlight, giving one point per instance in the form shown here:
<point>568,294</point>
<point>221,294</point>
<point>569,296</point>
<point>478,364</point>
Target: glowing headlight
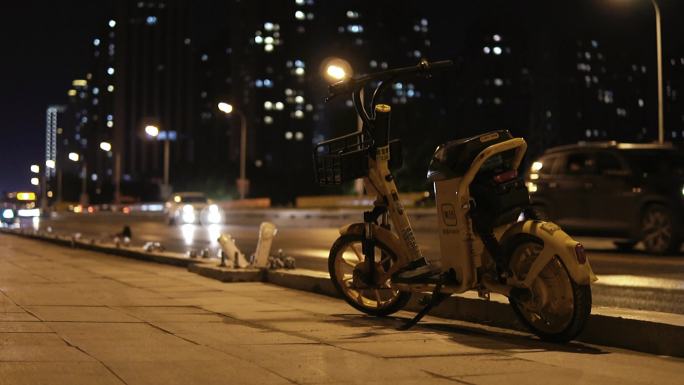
<point>188,214</point>
<point>682,190</point>
<point>8,214</point>
<point>214,215</point>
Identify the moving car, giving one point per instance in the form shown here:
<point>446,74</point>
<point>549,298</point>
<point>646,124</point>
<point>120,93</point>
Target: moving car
<point>630,192</point>
<point>192,207</point>
<point>17,205</point>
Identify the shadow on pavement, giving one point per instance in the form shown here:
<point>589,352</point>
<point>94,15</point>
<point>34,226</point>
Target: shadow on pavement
<point>474,336</point>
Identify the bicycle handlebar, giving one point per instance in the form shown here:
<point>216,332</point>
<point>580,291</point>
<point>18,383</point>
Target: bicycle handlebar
<point>354,84</point>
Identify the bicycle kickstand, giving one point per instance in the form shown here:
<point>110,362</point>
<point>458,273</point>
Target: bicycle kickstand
<point>436,298</point>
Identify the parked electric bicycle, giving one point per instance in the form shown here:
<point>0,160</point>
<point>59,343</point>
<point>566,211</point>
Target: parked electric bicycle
<point>490,239</point>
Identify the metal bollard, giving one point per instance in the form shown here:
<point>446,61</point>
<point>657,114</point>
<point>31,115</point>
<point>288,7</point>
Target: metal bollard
<point>223,259</point>
<point>267,231</point>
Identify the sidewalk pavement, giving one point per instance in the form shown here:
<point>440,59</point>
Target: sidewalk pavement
<point>70,316</point>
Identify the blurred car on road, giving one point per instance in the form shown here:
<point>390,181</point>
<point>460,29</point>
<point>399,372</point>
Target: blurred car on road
<point>17,205</point>
<point>192,207</point>
<point>629,192</point>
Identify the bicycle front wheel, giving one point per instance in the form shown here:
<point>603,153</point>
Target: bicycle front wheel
<point>377,298</point>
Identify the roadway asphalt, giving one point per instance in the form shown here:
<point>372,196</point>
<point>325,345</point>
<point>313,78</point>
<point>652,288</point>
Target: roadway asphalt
<point>632,280</point>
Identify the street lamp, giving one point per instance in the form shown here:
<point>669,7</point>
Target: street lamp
<point>107,147</point>
<point>336,70</point>
<point>659,53</point>
<point>242,182</point>
<point>75,157</point>
<point>153,131</point>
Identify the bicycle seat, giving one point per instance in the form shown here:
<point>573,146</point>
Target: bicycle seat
<point>453,159</point>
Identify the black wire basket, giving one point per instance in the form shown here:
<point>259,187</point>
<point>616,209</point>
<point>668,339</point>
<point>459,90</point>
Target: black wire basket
<point>342,159</point>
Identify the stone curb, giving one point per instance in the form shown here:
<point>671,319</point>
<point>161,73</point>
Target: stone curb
<point>649,332</point>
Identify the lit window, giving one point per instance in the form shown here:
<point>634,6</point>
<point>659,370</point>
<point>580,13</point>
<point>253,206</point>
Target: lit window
<point>498,82</point>
<point>497,50</point>
<point>299,71</point>
<point>110,117</point>
<point>640,102</point>
<point>110,124</point>
<point>205,57</point>
<point>352,15</point>
<point>355,28</point>
<point>299,64</point>
<point>299,2</point>
<point>497,37</point>
<point>96,42</point>
<point>151,20</point>
<point>112,23</point>
<point>96,90</point>
<point>268,47</point>
<point>299,135</point>
<point>288,135</point>
<point>299,99</point>
<point>268,105</point>
<point>268,40</point>
<point>93,177</point>
<point>299,114</point>
<point>299,15</point>
<point>279,106</point>
<point>187,41</point>
<point>259,83</point>
<point>110,88</point>
<point>268,26</point>
<point>268,119</point>
<point>373,63</point>
<point>258,39</point>
<point>110,70</point>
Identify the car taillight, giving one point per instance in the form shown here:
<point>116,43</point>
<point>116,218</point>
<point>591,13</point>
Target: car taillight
<point>506,176</point>
<point>580,254</point>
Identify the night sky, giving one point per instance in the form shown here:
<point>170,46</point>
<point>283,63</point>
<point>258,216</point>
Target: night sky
<point>46,44</point>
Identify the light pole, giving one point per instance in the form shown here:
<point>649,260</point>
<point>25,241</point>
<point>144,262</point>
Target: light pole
<point>153,131</point>
<point>336,70</point>
<point>75,157</point>
<point>107,147</point>
<point>659,52</point>
<point>242,183</point>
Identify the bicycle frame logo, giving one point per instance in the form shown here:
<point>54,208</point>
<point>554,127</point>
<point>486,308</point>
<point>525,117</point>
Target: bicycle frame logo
<point>449,215</point>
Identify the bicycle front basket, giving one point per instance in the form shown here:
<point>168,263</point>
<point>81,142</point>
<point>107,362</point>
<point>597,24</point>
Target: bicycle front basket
<point>342,159</point>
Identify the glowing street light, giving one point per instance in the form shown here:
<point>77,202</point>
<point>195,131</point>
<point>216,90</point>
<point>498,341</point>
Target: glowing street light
<point>35,181</point>
<point>35,168</point>
<point>336,69</point>
<point>152,130</point>
<point>73,156</point>
<point>50,163</point>
<point>242,183</point>
<point>225,107</point>
<point>106,146</point>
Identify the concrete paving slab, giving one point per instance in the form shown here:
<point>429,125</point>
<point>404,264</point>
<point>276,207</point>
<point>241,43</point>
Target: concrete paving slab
<point>273,335</point>
<point>14,316</point>
<point>38,353</point>
<point>229,370</point>
<point>24,327</point>
<point>80,313</point>
<point>61,373</point>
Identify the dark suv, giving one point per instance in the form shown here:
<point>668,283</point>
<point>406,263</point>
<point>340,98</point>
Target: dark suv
<point>631,192</point>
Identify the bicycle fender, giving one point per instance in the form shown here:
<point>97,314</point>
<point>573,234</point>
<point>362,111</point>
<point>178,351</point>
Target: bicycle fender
<point>556,242</point>
<point>385,236</point>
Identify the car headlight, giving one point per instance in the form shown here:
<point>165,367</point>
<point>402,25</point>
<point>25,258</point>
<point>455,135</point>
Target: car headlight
<point>682,190</point>
<point>188,214</point>
<point>8,214</point>
<point>214,214</point>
